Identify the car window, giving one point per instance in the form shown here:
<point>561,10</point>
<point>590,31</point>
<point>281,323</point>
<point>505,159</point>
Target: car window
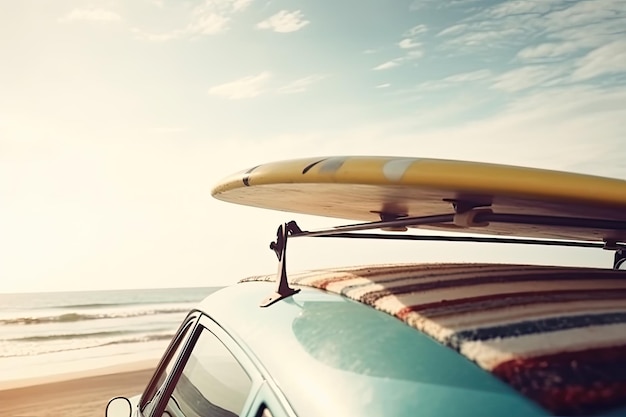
<point>150,398</point>
<point>212,383</point>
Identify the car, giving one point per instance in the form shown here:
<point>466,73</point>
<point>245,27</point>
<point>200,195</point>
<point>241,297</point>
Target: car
<point>409,339</point>
<point>319,352</point>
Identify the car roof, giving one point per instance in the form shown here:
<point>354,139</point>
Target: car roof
<point>333,356</point>
<point>331,352</point>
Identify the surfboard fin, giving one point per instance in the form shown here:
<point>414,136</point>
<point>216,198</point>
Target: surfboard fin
<point>279,247</point>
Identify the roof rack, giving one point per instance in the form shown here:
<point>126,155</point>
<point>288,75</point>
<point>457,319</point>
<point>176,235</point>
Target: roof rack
<point>280,248</point>
<point>469,218</point>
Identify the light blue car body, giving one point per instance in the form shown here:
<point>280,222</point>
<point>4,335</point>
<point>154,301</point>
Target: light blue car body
<point>317,353</point>
<point>333,356</point>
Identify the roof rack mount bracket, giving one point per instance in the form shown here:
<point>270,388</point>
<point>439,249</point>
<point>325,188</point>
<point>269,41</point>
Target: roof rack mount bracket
<point>468,218</point>
<point>619,259</point>
<point>283,289</point>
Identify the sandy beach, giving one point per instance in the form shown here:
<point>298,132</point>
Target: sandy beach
<point>79,395</point>
<point>66,354</point>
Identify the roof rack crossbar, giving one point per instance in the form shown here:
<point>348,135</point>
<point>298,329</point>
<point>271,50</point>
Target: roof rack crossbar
<point>583,223</point>
<point>475,239</point>
<point>408,221</point>
<point>481,217</point>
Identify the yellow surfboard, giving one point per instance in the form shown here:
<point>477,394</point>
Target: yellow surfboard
<point>539,203</point>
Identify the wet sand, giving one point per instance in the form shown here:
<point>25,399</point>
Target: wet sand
<point>83,396</point>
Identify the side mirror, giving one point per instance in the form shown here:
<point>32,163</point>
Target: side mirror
<point>119,407</point>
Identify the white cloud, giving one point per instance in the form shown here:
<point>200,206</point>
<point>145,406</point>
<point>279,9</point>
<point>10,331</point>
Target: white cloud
<point>468,76</point>
<point>586,12</point>
<point>608,59</point>
<point>502,25</point>
<point>564,27</point>
<point>452,80</point>
<point>488,38</point>
<point>208,24</point>
<point>385,85</point>
<point>423,4</point>
<point>577,26</point>
<point>255,85</point>
<point>387,65</point>
<point>548,50</point>
<point>408,44</point>
<point>208,18</point>
<point>91,15</point>
<point>246,87</point>
<point>521,7</point>
<point>416,30</point>
<point>411,54</point>
<point>453,30</point>
<point>284,22</point>
<point>410,49</point>
<point>300,85</point>
<point>526,77</point>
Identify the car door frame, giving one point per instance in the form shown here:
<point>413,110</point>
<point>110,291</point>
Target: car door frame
<point>187,326</point>
<point>205,323</point>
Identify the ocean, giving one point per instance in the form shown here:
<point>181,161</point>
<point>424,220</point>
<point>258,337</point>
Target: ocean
<point>45,334</point>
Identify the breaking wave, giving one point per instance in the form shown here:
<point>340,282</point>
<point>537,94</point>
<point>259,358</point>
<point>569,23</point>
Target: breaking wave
<point>95,344</point>
<point>73,317</point>
<point>68,336</point>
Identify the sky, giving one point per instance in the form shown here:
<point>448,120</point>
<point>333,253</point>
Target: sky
<point>117,118</point>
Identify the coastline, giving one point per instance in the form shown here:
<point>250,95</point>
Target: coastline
<point>76,394</point>
<point>68,353</point>
<point>139,365</point>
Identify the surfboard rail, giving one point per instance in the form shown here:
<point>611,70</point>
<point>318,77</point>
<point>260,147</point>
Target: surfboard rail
<point>484,198</point>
